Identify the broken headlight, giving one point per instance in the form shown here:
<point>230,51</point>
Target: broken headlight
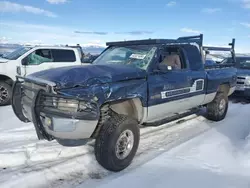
<point>71,105</point>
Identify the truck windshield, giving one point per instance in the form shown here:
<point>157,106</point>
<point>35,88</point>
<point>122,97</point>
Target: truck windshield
<point>17,53</point>
<point>136,56</point>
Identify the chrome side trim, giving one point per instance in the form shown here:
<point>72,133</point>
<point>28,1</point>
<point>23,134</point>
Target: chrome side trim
<point>161,111</point>
<point>209,98</point>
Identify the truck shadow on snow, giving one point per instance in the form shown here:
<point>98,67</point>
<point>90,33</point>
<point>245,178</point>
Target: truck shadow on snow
<point>241,100</point>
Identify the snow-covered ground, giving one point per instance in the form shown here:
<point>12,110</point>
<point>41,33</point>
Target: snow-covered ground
<point>193,152</point>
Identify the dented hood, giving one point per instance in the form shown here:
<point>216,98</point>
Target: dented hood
<point>85,75</point>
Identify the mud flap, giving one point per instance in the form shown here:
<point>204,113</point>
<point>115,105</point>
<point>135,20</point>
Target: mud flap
<point>16,101</point>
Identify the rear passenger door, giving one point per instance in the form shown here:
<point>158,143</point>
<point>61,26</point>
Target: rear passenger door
<point>176,90</point>
<point>62,58</point>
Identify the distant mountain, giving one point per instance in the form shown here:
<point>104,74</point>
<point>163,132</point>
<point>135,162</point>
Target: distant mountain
<point>93,49</point>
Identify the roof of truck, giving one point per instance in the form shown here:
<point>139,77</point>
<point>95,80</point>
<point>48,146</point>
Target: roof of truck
<point>53,47</point>
<point>198,39</point>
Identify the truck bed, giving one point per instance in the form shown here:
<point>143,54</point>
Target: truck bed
<point>218,75</point>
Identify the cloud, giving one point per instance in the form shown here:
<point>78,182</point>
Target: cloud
<point>24,33</point>
<point>6,6</point>
<point>171,3</point>
<point>188,30</point>
<point>246,4</point>
<point>135,32</point>
<point>118,33</point>
<point>91,32</point>
<point>210,10</point>
<point>247,25</point>
<point>57,1</point>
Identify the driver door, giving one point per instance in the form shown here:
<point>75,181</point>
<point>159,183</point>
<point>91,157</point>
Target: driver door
<point>173,91</point>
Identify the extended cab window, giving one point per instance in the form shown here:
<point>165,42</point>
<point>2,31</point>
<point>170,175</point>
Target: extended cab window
<point>40,56</point>
<point>227,61</point>
<point>63,55</point>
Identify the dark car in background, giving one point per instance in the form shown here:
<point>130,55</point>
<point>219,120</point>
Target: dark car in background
<point>243,75</point>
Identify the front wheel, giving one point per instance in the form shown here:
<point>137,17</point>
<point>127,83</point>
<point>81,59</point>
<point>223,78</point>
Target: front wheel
<point>117,143</point>
<point>217,109</point>
<point>5,93</point>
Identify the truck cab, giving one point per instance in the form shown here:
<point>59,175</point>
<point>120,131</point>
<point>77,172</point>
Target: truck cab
<point>242,63</point>
<point>29,59</point>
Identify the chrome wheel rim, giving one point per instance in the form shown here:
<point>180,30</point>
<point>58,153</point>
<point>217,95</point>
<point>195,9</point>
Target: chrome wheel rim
<point>222,106</point>
<point>124,144</point>
<point>4,94</point>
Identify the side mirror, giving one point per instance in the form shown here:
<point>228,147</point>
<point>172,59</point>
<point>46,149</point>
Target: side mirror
<point>86,60</point>
<point>207,52</point>
<point>164,68</point>
<point>25,61</point>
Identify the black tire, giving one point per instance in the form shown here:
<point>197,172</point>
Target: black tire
<point>106,142</point>
<point>214,111</point>
<point>5,93</point>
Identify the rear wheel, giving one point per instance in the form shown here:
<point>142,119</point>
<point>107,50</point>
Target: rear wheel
<point>117,143</point>
<point>217,109</point>
<point>5,93</point>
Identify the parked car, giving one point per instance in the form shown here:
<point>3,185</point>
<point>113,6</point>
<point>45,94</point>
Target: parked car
<point>242,64</point>
<point>26,60</point>
<point>131,83</point>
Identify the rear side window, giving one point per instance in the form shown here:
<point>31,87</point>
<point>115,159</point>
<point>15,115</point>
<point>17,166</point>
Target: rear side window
<point>63,55</point>
<point>194,57</point>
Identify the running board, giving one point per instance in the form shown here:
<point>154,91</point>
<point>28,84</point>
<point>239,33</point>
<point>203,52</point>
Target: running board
<point>172,118</point>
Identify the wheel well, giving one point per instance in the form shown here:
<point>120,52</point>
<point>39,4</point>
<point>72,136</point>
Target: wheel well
<point>224,88</point>
<point>130,107</point>
<point>6,79</point>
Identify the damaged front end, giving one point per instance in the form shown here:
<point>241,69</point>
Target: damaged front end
<point>67,119</point>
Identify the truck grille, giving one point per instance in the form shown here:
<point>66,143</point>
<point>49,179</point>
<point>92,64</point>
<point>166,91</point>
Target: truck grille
<point>241,80</point>
<point>28,93</point>
<point>29,89</point>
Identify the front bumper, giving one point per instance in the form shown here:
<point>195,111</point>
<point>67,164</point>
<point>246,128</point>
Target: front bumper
<point>50,122</point>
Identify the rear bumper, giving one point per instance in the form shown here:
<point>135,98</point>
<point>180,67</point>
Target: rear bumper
<point>50,122</point>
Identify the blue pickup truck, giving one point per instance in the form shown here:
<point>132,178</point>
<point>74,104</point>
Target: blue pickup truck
<point>242,63</point>
<point>131,83</point>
